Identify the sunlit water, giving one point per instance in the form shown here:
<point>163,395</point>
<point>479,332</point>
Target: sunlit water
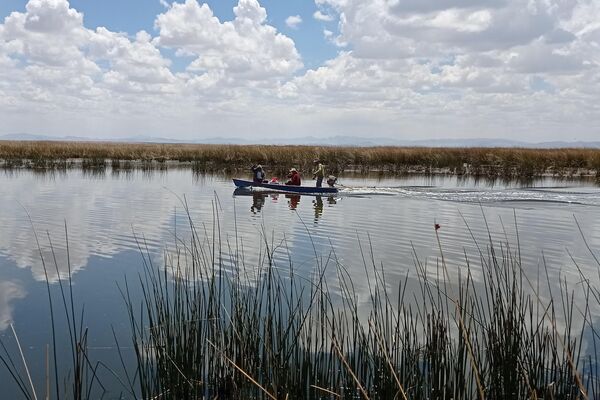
<point>108,217</point>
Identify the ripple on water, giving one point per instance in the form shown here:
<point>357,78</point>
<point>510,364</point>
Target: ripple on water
<point>109,217</point>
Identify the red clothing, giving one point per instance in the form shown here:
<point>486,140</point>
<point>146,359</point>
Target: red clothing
<point>294,179</point>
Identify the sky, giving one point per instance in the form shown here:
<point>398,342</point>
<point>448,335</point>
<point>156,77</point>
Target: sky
<point>525,70</point>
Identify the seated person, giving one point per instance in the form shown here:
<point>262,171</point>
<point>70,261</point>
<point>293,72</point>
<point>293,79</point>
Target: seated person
<point>331,180</point>
<point>258,174</point>
<point>294,178</point>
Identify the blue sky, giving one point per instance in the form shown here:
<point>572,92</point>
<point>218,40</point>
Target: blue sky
<point>521,69</point>
<point>132,16</point>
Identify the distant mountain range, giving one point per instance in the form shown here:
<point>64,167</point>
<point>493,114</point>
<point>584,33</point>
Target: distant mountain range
<point>324,141</point>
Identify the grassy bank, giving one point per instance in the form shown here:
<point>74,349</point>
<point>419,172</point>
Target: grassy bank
<point>474,161</point>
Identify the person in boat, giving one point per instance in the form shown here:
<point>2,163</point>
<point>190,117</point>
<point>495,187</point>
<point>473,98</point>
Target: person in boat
<point>319,172</point>
<point>258,174</point>
<point>294,178</point>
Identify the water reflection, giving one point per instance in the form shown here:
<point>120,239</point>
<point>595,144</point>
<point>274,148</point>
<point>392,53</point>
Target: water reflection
<point>318,206</point>
<point>259,200</point>
<point>102,212</point>
<point>9,292</point>
<point>392,218</point>
<point>293,200</point>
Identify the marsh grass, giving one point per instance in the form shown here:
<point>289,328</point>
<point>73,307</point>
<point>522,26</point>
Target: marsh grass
<point>70,375</point>
<point>212,327</point>
<point>514,162</point>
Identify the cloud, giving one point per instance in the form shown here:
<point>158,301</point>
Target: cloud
<point>62,64</point>
<point>164,3</point>
<point>319,16</point>
<point>293,21</point>
<point>427,6</point>
<point>424,66</point>
<point>245,49</point>
<point>441,58</point>
<point>71,75</point>
<point>544,58</point>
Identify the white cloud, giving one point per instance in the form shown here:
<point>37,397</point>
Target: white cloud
<point>164,3</point>
<point>245,49</point>
<point>293,21</point>
<point>426,6</point>
<point>61,65</point>
<point>319,16</point>
<point>444,59</point>
<point>415,67</point>
<point>96,82</point>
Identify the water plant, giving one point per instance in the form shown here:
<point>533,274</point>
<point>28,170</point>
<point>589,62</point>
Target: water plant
<point>69,375</point>
<point>209,325</point>
<point>515,162</point>
<point>213,327</point>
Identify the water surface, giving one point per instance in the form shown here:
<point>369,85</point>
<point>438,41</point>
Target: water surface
<point>110,218</point>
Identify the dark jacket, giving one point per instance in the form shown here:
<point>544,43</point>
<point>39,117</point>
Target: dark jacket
<point>258,175</point>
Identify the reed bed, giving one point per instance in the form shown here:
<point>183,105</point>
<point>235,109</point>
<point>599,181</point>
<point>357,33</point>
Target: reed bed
<point>473,161</point>
<point>210,326</point>
<point>69,372</point>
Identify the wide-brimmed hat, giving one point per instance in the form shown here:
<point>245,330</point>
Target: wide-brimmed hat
<point>259,166</point>
<point>293,170</point>
<point>316,160</point>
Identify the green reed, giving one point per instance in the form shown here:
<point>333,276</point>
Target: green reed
<point>213,327</point>
<point>210,325</point>
<point>70,375</point>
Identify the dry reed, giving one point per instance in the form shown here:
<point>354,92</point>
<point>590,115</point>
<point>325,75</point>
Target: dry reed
<point>474,161</point>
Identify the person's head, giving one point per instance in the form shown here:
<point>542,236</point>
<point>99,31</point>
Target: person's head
<point>293,171</point>
<point>259,166</point>
<point>316,161</point>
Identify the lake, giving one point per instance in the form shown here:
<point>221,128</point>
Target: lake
<point>114,220</point>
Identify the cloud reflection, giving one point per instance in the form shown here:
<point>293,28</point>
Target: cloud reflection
<point>9,291</point>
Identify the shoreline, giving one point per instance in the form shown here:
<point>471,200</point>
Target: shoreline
<point>477,162</point>
<point>211,167</point>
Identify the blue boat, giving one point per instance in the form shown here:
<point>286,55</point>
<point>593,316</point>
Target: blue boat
<point>278,187</point>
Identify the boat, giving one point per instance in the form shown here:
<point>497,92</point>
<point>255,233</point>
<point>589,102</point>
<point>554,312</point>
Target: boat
<point>279,187</point>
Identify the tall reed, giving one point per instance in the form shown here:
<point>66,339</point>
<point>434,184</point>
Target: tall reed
<point>472,161</point>
<point>70,374</point>
<point>213,327</point>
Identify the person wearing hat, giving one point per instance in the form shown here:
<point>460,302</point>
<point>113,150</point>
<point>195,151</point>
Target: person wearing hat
<point>318,173</point>
<point>258,174</point>
<point>294,178</point>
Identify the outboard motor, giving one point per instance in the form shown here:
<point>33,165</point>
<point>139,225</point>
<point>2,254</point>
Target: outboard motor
<point>331,180</point>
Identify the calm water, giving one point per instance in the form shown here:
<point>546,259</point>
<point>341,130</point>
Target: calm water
<point>108,215</point>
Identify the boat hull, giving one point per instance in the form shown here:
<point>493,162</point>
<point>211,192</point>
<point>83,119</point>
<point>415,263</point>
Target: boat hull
<point>241,183</point>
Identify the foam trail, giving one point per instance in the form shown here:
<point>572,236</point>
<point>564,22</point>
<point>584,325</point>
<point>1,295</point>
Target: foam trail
<point>589,197</point>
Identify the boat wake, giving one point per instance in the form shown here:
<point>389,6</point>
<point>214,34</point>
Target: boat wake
<point>525,195</point>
